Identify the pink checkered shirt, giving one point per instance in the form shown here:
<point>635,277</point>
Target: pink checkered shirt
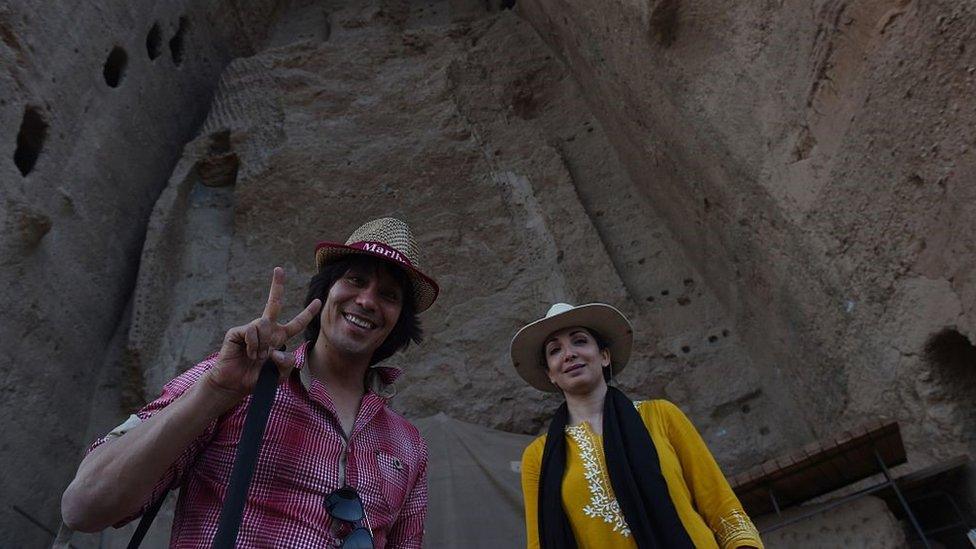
<point>299,464</point>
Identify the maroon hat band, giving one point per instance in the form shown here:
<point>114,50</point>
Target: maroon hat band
<point>378,248</point>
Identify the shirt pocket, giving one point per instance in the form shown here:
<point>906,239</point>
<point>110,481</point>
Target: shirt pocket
<point>394,479</point>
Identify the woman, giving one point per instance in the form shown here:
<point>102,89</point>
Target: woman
<point>612,472</point>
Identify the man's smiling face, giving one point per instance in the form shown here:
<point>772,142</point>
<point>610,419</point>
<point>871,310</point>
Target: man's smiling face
<point>361,309</point>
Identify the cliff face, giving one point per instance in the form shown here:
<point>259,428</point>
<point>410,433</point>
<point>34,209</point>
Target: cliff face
<point>774,193</point>
<point>814,161</point>
<point>96,103</point>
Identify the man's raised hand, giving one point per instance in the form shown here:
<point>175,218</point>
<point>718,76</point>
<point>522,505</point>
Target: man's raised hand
<point>245,348</point>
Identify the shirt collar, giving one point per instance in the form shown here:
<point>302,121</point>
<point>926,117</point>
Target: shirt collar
<point>387,374</point>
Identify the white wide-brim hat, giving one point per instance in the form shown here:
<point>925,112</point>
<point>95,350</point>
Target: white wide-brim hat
<point>389,239</point>
<point>612,326</point>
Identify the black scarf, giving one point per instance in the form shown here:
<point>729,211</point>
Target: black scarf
<point>635,475</point>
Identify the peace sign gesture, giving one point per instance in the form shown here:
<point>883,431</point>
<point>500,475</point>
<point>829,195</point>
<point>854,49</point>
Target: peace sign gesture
<point>245,348</point>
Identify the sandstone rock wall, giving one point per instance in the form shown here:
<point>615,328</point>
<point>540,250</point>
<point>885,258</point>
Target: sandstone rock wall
<point>96,102</point>
<point>813,160</point>
<point>775,193</point>
<point>865,523</point>
<point>462,122</point>
<point>469,129</point>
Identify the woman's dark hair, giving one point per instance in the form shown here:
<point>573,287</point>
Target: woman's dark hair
<point>407,327</point>
<point>601,344</point>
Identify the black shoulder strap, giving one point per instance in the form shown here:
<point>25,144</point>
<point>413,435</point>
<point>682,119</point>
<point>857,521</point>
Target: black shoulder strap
<point>240,477</point>
<point>247,456</point>
<point>146,522</point>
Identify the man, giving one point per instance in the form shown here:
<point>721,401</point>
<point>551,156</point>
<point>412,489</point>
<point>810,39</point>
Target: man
<point>330,433</point>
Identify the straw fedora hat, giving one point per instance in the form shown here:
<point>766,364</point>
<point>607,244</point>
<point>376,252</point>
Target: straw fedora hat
<point>607,321</point>
<point>389,239</point>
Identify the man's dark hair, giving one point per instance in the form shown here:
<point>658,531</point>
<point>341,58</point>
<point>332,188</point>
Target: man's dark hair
<point>407,327</point>
<point>601,343</point>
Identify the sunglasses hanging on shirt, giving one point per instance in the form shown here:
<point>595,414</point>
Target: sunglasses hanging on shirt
<point>345,505</point>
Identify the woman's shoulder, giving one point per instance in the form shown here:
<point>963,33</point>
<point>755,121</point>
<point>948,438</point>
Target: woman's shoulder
<point>536,446</point>
<point>658,408</point>
<point>652,403</point>
<point>655,404</point>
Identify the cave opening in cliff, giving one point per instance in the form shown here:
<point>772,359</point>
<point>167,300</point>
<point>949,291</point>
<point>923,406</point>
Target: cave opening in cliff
<point>114,68</point>
<point>30,140</point>
<point>953,357</point>
<point>952,353</point>
<point>177,45</point>
<point>219,168</point>
<point>154,42</point>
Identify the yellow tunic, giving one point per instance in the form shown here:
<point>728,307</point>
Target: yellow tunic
<point>705,503</point>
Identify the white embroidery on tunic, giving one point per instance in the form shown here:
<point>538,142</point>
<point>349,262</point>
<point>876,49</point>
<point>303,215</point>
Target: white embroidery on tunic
<point>734,527</point>
<point>602,504</point>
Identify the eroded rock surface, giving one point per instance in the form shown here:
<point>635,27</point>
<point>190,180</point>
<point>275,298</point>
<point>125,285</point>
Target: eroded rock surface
<point>813,161</point>
<point>470,130</point>
<point>96,103</point>
<point>775,193</point>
